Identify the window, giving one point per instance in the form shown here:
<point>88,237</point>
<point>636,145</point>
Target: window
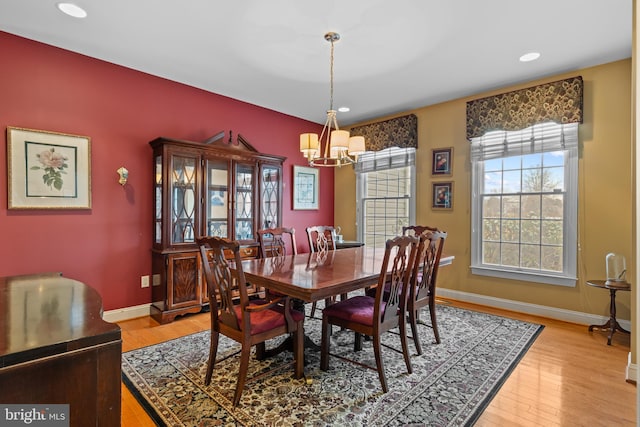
<point>524,204</point>
<point>385,194</point>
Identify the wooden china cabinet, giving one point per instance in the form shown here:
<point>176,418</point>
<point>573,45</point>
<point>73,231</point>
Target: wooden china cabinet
<point>214,188</point>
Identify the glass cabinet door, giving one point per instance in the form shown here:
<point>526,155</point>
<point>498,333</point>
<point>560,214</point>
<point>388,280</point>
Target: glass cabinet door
<point>183,199</point>
<point>244,208</point>
<point>157,233</point>
<point>270,196</point>
<point>217,199</point>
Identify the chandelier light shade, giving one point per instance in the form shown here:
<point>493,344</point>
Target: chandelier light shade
<point>309,144</point>
<point>334,147</point>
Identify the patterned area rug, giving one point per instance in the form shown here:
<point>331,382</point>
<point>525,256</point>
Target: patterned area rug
<point>451,384</point>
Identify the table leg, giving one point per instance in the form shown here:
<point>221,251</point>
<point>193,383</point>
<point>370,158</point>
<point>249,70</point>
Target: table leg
<point>612,324</point>
<point>621,329</point>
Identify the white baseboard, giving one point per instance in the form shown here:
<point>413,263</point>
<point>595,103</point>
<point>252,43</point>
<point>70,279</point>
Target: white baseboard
<point>126,313</point>
<point>631,373</point>
<point>580,318</point>
<point>535,309</point>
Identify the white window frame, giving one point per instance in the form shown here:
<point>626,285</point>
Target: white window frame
<point>530,140</point>
<point>390,158</point>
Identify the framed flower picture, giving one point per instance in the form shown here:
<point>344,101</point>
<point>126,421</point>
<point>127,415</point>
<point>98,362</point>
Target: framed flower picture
<point>442,195</point>
<point>48,170</point>
<point>441,161</point>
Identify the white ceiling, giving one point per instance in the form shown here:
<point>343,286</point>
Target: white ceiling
<point>393,55</point>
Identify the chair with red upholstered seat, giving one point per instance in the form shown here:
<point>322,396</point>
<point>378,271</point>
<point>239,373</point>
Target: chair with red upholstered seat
<point>235,316</point>
<point>374,315</point>
<point>277,241</point>
<point>423,291</point>
<point>423,281</point>
<point>322,238</point>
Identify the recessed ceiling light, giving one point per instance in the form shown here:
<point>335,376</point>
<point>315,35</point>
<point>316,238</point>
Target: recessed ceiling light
<point>531,56</point>
<point>72,10</point>
<point>344,109</point>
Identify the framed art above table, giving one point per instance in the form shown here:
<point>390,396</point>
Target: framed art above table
<point>48,170</point>
<point>306,188</point>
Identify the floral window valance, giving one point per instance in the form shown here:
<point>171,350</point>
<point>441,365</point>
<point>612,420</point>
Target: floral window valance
<point>560,102</point>
<point>401,132</point>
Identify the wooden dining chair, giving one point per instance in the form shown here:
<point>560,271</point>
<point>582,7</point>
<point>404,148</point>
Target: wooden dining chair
<point>416,230</point>
<point>322,238</point>
<point>423,282</point>
<point>249,322</point>
<point>273,243</point>
<point>277,241</point>
<point>374,315</point>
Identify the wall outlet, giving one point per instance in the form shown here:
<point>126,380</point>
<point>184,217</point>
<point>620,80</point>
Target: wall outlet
<point>144,281</point>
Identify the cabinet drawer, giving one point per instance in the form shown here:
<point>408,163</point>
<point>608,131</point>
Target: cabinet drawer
<point>249,252</point>
<point>246,252</point>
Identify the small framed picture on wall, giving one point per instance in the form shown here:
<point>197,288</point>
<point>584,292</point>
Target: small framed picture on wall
<point>306,188</point>
<point>442,195</point>
<point>441,161</point>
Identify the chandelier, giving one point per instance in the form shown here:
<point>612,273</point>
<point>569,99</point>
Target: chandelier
<point>335,147</point>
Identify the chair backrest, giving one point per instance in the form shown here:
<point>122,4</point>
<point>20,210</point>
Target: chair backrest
<point>274,241</point>
<point>425,271</point>
<point>222,280</point>
<point>321,238</point>
<point>416,230</point>
<point>395,276</point>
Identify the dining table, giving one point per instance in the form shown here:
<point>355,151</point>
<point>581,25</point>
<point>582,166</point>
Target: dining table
<point>319,275</point>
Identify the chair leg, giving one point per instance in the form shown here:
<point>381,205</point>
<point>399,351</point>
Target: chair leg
<point>313,308</point>
<point>403,341</point>
<point>213,351</point>
<point>379,363</point>
<point>357,341</point>
<point>261,351</point>
<point>242,372</point>
<point>324,345</point>
<point>434,325</point>
<point>413,320</point>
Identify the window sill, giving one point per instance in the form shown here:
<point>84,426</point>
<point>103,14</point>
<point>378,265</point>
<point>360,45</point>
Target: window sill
<point>548,279</point>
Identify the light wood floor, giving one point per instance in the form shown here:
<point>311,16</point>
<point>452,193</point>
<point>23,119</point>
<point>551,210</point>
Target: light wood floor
<point>569,376</point>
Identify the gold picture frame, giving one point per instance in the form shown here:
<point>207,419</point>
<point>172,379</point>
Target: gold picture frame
<point>48,170</point>
<point>442,195</point>
<point>306,188</point>
<point>442,161</point>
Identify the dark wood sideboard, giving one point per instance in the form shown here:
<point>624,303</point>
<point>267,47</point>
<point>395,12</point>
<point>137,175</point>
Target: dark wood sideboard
<point>56,349</point>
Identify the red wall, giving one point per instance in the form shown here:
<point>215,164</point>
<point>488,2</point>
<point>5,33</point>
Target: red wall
<point>121,110</point>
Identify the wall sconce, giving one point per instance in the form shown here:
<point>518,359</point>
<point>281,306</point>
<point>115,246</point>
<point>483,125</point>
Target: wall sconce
<point>124,175</point>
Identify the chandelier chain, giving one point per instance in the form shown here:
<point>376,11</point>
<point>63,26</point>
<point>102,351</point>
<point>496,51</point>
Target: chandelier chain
<point>331,77</point>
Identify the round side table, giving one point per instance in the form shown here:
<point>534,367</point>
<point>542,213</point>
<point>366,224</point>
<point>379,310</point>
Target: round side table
<point>612,324</point>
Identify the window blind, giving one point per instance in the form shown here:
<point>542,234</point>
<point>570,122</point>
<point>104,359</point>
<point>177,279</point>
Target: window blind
<point>539,138</point>
<point>390,158</point>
